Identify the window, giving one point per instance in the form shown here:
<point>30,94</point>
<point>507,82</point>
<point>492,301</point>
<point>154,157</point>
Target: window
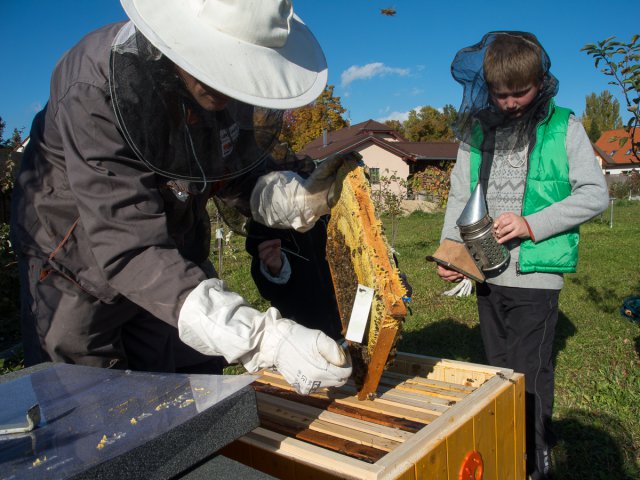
<point>374,175</point>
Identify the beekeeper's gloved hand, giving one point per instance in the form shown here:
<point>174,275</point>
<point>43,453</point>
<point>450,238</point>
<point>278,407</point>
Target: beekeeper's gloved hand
<point>216,321</point>
<point>283,199</point>
<point>307,359</point>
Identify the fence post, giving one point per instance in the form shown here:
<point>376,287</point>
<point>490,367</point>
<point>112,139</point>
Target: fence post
<point>611,199</point>
<point>219,244</point>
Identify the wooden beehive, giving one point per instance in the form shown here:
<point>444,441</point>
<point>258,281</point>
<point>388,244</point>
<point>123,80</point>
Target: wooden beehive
<point>429,416</point>
<point>357,253</point>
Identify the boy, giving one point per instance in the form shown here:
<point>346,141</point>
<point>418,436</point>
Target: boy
<point>541,181</point>
<point>291,270</point>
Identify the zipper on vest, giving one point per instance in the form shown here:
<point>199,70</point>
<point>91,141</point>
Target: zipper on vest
<point>532,147</point>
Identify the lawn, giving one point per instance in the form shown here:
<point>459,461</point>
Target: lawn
<point>597,351</point>
<point>597,408</point>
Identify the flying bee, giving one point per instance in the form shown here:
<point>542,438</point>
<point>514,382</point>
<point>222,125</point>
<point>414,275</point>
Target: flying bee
<point>390,12</point>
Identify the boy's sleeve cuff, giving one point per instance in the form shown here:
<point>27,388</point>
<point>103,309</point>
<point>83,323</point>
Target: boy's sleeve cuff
<point>529,229</point>
<point>284,275</point>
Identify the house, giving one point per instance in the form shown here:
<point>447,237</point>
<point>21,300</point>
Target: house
<point>384,151</point>
<point>613,151</point>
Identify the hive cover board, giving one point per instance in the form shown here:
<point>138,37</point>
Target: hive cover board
<point>358,254</point>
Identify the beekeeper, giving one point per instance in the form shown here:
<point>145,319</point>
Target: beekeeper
<point>146,121</point>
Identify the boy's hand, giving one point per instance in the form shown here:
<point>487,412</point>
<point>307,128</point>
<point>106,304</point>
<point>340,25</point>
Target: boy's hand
<point>509,225</point>
<point>448,274</point>
<point>269,254</point>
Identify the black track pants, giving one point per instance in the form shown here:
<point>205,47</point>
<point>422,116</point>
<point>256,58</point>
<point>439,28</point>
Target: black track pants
<point>518,328</point>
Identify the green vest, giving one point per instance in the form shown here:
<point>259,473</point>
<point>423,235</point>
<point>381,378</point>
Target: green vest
<point>547,183</point>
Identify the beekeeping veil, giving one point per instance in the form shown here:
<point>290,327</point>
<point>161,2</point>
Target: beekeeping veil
<point>479,119</point>
<point>255,52</point>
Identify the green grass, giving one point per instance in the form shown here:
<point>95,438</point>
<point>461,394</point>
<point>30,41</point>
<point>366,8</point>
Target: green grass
<point>597,405</point>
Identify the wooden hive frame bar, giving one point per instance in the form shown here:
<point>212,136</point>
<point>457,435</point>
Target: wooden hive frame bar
<point>331,434</point>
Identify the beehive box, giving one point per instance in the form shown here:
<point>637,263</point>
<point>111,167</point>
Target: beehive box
<point>432,419</point>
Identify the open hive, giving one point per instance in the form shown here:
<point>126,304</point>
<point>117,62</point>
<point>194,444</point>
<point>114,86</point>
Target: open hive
<point>431,419</point>
<point>358,253</point>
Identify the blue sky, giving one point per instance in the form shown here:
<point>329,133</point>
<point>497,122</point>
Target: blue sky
<point>382,67</point>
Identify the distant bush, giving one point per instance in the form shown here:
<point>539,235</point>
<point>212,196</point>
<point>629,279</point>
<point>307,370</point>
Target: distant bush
<point>433,182</point>
<point>628,185</point>
<point>9,289</point>
<point>619,190</point>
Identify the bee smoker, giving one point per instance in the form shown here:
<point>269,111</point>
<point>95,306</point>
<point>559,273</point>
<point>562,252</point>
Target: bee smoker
<point>476,229</point>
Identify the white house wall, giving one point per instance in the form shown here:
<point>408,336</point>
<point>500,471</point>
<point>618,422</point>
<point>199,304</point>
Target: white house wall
<point>619,170</point>
<point>387,137</point>
<point>614,169</point>
<point>388,163</point>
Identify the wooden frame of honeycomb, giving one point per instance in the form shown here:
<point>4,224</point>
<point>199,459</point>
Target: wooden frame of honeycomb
<point>358,253</point>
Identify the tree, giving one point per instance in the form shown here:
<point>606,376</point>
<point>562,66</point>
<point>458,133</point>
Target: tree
<point>395,125</point>
<point>429,124</point>
<point>8,165</point>
<point>450,113</point>
<point>387,196</point>
<point>16,136</point>
<point>602,113</point>
<point>304,124</point>
<point>621,62</point>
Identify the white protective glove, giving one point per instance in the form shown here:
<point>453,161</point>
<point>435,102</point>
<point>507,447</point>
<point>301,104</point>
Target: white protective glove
<point>216,321</point>
<point>462,289</point>
<point>283,199</point>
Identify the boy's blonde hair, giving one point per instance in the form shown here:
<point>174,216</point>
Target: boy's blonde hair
<point>513,62</point>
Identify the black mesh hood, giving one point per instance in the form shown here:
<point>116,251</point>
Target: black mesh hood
<point>478,118</point>
<point>169,131</point>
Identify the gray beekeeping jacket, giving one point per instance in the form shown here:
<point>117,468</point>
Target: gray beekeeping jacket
<point>88,204</point>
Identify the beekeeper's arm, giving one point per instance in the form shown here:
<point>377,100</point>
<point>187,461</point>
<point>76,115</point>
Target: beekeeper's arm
<point>284,199</point>
<point>216,321</point>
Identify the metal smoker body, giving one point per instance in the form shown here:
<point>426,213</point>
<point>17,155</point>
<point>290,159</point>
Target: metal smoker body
<point>476,229</point>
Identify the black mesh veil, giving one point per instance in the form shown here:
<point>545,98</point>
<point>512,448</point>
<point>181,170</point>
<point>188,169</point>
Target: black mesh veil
<point>169,131</point>
<point>478,119</point>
